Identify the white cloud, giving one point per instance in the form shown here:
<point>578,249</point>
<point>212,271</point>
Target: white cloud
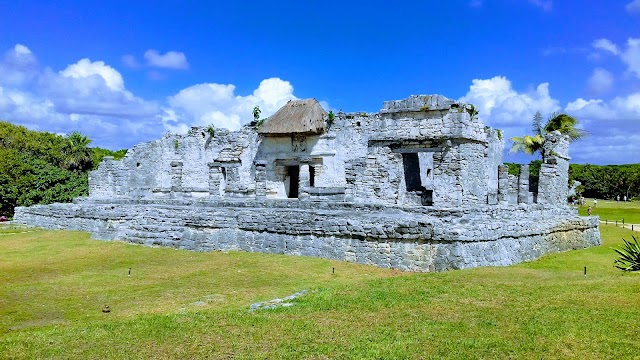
<point>171,59</point>
<point>85,69</point>
<point>217,104</point>
<point>500,104</point>
<point>607,45</point>
<point>633,7</point>
<point>613,126</point>
<point>600,82</point>
<point>18,66</point>
<point>546,5</point>
<point>631,56</point>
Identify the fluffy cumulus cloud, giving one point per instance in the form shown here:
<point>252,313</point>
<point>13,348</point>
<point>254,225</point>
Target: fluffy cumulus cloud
<point>169,60</point>
<point>503,106</point>
<point>89,96</point>
<point>600,82</point>
<point>218,105</point>
<point>613,125</point>
<point>633,7</point>
<point>629,54</point>
<point>18,66</point>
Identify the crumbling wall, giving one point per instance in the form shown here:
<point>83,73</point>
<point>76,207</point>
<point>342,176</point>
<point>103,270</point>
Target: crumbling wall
<point>554,172</point>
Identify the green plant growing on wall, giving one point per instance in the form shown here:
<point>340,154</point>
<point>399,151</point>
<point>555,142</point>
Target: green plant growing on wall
<point>499,133</point>
<point>176,144</point>
<point>331,118</point>
<point>211,130</point>
<point>473,112</point>
<point>425,108</point>
<point>629,252</point>
<point>256,113</point>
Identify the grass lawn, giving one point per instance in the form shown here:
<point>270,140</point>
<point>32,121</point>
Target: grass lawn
<point>179,304</point>
<point>614,210</point>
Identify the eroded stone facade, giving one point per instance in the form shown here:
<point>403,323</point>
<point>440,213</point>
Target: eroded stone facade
<point>418,186</point>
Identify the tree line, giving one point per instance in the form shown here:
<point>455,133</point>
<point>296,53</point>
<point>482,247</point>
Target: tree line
<point>38,167</point>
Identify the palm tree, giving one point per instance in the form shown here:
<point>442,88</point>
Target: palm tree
<point>531,144</point>
<point>77,152</point>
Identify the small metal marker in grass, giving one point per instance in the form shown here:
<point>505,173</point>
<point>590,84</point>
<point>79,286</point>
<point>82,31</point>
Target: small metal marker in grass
<point>585,271</point>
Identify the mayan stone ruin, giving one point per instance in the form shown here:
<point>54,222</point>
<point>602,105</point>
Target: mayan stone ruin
<point>418,186</point>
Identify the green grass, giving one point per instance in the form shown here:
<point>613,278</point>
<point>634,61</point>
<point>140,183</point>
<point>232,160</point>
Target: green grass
<point>614,210</point>
<point>179,304</point>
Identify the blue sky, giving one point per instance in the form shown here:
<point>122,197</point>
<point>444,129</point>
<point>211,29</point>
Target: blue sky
<point>124,72</point>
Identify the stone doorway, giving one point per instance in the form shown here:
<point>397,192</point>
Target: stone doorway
<point>293,176</point>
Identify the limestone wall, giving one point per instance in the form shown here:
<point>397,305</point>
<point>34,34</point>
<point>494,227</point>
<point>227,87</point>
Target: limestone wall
<point>407,238</point>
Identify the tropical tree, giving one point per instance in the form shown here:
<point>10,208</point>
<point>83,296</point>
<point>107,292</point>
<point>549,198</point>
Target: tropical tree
<point>531,144</point>
<point>77,152</point>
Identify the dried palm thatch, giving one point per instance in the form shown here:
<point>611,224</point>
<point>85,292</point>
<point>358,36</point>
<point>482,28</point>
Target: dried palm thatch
<point>296,117</point>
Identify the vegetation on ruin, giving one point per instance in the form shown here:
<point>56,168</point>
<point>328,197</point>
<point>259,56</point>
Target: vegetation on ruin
<point>41,168</point>
<point>531,144</point>
<point>211,130</point>
<point>180,304</point>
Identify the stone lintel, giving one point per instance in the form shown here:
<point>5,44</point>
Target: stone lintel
<point>417,150</point>
<point>335,190</point>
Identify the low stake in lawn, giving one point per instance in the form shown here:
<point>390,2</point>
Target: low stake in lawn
<point>168,303</point>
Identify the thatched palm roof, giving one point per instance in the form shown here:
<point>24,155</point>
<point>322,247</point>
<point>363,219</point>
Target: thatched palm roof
<point>296,117</point>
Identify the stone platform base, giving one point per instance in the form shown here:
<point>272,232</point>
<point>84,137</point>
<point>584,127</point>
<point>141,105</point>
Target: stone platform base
<point>407,238</point>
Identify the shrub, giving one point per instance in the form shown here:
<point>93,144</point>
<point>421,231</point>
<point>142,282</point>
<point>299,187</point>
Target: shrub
<point>629,255</point>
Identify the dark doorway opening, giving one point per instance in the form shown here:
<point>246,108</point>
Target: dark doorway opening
<point>294,178</point>
<point>412,171</point>
<point>312,176</point>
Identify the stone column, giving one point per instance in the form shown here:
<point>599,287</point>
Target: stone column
<point>261,179</point>
<point>503,184</point>
<point>176,176</point>
<point>215,178</point>
<point>303,180</point>
<point>554,172</point>
<point>523,185</point>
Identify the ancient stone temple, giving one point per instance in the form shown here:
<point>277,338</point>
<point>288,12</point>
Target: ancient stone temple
<point>418,186</point>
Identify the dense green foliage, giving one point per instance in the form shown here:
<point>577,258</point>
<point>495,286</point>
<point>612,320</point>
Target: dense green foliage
<point>42,168</point>
<point>608,181</point>
<point>597,181</point>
